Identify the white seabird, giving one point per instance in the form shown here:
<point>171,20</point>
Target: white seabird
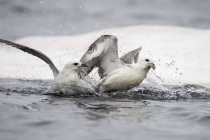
<point>103,53</point>
<point>67,80</point>
<point>127,77</point>
<point>118,73</point>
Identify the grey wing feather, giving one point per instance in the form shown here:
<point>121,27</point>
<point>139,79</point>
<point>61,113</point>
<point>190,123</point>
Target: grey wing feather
<point>107,61</point>
<point>33,52</point>
<point>131,57</point>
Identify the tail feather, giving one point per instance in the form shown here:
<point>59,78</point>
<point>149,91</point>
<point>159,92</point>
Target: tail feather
<point>33,52</point>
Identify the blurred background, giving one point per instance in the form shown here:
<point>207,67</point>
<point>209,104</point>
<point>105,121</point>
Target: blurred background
<point>21,18</point>
<point>27,113</point>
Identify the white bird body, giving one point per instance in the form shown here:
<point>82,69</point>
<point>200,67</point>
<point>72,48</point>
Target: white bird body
<point>66,79</point>
<point>127,77</point>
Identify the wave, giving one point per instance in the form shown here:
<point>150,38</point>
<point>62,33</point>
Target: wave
<point>144,91</point>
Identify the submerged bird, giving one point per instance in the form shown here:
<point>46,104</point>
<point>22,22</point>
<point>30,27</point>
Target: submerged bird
<point>103,53</point>
<point>127,77</point>
<point>67,80</point>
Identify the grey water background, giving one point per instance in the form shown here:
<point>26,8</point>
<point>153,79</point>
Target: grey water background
<point>21,18</point>
<point>26,112</point>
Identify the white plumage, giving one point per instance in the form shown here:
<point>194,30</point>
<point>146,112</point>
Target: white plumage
<point>104,54</point>
<point>127,77</point>
<point>68,80</point>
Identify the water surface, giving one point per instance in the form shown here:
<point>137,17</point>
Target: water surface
<point>29,112</point>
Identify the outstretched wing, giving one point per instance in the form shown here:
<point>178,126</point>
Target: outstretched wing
<point>131,57</point>
<point>103,53</point>
<point>33,52</point>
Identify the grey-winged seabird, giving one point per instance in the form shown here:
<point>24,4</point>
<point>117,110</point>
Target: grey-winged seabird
<point>65,81</point>
<point>116,73</point>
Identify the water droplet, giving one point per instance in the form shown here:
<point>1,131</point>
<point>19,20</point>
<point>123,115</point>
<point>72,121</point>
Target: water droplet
<point>60,26</point>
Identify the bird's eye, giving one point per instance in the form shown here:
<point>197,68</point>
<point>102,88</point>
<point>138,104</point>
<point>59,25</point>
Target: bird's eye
<point>147,60</point>
<point>76,64</point>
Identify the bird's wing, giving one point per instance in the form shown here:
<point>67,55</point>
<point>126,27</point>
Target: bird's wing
<point>103,53</point>
<point>33,52</point>
<point>131,57</point>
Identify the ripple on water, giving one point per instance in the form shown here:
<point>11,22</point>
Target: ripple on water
<point>143,91</point>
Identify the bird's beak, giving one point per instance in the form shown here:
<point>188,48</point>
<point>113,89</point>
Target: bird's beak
<point>152,65</point>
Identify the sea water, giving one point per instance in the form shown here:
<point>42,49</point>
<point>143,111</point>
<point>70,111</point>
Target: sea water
<point>30,110</point>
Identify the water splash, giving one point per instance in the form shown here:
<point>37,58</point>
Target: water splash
<point>150,91</point>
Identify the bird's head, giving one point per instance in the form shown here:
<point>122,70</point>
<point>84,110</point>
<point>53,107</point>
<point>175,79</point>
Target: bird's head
<point>147,63</point>
<point>77,67</point>
<point>73,66</point>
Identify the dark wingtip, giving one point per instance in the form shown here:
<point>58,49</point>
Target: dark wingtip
<point>138,49</point>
